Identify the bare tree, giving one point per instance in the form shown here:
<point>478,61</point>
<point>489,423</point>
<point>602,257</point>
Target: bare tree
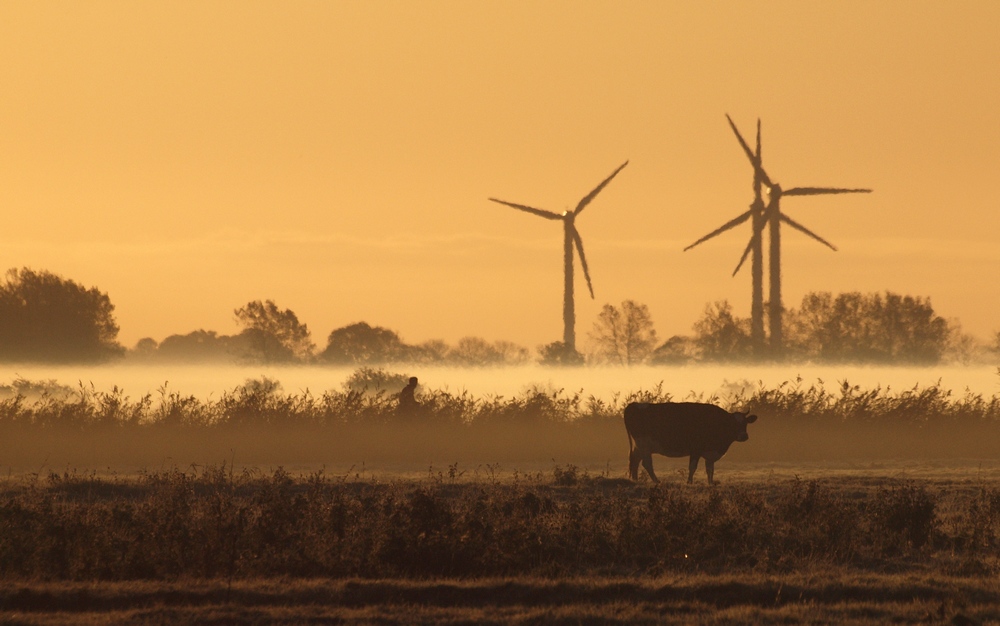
<point>475,351</point>
<point>626,335</point>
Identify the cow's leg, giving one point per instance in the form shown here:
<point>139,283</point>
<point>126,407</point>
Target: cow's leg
<point>633,463</point>
<point>710,459</point>
<point>692,466</point>
<point>647,462</point>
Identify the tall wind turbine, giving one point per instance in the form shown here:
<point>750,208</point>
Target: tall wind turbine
<point>771,216</point>
<point>571,238</point>
<point>774,217</point>
<point>756,216</point>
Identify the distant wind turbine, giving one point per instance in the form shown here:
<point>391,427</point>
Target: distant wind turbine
<point>774,217</point>
<point>756,215</point>
<point>571,238</point>
<point>771,216</point>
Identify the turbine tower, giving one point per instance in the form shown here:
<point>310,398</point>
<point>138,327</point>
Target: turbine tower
<point>756,216</point>
<point>571,238</point>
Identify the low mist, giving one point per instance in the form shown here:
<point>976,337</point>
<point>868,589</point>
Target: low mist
<point>136,418</point>
<point>682,382</point>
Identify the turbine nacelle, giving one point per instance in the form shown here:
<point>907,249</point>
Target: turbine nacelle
<point>773,192</point>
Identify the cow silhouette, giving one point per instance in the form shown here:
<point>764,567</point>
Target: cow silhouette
<point>675,429</point>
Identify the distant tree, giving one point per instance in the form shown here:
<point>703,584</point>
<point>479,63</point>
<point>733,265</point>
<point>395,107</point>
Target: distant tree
<point>273,335</point>
<point>475,351</point>
<point>674,351</point>
<point>145,345</point>
<point>34,390</point>
<point>145,349</point>
<point>558,354</point>
<point>432,351</point>
<point>373,381</point>
<point>511,353</point>
<point>364,344</point>
<point>962,347</point>
<point>721,336</point>
<point>46,318</point>
<point>870,328</point>
<point>624,335</point>
<point>203,345</point>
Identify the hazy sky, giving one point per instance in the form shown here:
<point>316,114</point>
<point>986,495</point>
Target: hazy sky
<point>337,157</point>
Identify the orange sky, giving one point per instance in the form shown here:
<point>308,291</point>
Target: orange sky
<point>337,157</point>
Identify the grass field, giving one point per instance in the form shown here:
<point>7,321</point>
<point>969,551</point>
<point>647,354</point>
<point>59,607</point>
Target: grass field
<point>907,543</point>
<point>822,596</point>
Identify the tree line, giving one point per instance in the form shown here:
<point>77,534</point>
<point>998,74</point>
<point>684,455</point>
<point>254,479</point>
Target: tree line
<point>49,319</point>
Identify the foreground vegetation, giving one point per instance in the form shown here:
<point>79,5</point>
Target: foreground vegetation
<point>560,546</point>
<point>826,596</point>
<point>215,523</point>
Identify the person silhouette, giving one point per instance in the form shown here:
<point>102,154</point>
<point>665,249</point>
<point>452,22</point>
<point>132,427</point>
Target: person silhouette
<point>407,402</point>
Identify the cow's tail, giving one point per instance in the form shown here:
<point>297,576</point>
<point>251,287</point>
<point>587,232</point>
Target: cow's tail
<point>632,462</point>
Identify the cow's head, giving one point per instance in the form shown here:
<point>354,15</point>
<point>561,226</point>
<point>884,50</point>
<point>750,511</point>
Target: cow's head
<point>742,419</point>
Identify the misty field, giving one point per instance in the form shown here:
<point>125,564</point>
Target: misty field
<point>848,504</point>
<point>205,381</point>
<point>49,425</point>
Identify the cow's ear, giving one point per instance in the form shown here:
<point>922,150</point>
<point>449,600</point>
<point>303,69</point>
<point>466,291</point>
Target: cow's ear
<point>751,419</point>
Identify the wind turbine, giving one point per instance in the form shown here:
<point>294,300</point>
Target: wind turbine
<point>571,238</point>
<point>771,216</point>
<point>756,215</point>
<point>774,217</point>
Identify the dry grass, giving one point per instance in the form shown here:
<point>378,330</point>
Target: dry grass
<point>563,546</point>
<point>818,596</point>
<point>215,523</point>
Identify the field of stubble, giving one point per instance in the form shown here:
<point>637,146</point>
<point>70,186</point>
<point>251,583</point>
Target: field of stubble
<point>905,542</point>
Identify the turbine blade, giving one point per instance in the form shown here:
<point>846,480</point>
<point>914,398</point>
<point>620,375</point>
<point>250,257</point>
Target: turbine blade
<point>549,215</point>
<point>784,218</point>
<point>718,231</point>
<point>819,191</point>
<point>743,258</point>
<point>739,137</point>
<point>583,261</point>
<point>758,169</point>
<point>590,196</point>
<point>759,156</point>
